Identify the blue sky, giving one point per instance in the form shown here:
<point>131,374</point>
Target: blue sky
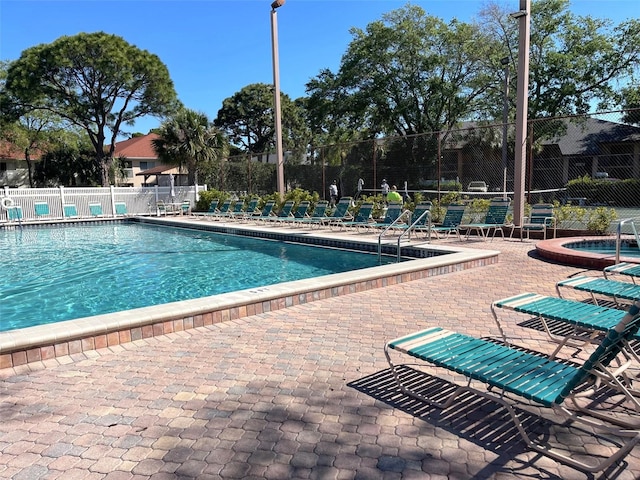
<point>213,48</point>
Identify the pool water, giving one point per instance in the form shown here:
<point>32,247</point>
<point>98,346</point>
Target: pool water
<point>57,273</point>
<point>604,247</point>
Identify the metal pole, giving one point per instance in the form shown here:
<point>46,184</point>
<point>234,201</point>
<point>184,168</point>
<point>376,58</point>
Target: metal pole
<point>276,96</point>
<point>523,17</point>
<point>505,121</point>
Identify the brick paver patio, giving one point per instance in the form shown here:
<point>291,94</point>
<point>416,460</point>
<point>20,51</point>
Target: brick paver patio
<point>302,392</point>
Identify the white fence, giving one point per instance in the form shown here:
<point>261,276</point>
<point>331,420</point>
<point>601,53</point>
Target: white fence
<point>137,200</point>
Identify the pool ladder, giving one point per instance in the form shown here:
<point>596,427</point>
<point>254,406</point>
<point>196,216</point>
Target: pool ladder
<point>407,232</point>
<point>619,235</point>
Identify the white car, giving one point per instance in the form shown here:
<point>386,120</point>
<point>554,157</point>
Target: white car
<point>477,187</point>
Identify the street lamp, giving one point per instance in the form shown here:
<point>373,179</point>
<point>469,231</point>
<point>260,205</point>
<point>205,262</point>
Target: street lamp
<point>523,17</point>
<point>276,95</point>
<point>505,119</point>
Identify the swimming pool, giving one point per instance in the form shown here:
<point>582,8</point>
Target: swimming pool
<point>40,344</point>
<point>57,273</point>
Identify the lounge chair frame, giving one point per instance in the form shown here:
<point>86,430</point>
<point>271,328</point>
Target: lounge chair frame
<point>494,220</point>
<point>513,377</point>
<point>628,269</point>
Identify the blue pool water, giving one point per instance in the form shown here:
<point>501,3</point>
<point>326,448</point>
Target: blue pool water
<point>604,247</point>
<point>64,272</point>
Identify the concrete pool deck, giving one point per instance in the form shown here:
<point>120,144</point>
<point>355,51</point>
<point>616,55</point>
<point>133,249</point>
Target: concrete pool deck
<point>300,392</point>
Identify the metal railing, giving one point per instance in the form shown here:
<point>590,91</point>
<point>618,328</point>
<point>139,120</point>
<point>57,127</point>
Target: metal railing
<point>631,221</point>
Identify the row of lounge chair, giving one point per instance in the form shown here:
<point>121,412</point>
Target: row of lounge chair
<point>395,216</point>
<point>69,211</point>
<point>395,219</point>
<point>515,377</point>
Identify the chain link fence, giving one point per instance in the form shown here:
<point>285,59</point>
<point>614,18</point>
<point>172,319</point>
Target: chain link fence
<point>586,161</point>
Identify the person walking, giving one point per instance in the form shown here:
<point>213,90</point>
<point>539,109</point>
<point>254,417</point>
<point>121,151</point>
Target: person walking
<point>333,193</point>
<point>385,187</point>
<point>359,189</point>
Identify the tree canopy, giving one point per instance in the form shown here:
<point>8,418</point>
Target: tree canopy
<point>247,117</point>
<point>95,81</point>
<point>189,139</point>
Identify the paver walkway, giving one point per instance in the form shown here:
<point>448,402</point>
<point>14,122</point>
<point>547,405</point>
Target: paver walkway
<point>301,392</point>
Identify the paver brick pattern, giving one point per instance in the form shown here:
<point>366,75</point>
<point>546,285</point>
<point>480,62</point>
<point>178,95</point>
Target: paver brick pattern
<point>273,396</point>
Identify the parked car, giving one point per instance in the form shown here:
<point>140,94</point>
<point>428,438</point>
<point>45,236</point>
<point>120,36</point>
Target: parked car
<point>477,186</point>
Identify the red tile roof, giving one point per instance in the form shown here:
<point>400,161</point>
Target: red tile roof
<point>9,151</point>
<point>137,147</point>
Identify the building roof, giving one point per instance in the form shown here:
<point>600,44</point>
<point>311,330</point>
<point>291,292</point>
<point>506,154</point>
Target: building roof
<point>9,151</point>
<point>585,137</point>
<point>160,170</point>
<point>137,147</point>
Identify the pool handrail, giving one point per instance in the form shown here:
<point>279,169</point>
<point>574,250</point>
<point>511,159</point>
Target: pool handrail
<point>619,236</point>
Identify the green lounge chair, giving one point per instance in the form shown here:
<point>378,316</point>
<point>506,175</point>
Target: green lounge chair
<point>494,220</point>
<point>221,211</point>
<point>420,219</point>
<point>95,209</point>
<point>540,219</point>
<point>213,208</point>
<point>394,210</point>
<point>450,222</point>
<point>284,213</point>
<point>340,214</point>
<point>319,213</point>
<point>362,218</point>
<point>267,211</point>
<point>515,378</point>
<point>250,210</point>
<point>299,213</point>
<point>597,286</point>
<point>630,270</point>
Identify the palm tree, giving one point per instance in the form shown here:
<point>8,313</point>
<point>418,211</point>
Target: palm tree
<point>190,140</point>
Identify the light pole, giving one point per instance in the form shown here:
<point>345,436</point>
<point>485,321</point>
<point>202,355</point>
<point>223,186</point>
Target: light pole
<point>276,95</point>
<point>522,93</point>
<point>505,119</point>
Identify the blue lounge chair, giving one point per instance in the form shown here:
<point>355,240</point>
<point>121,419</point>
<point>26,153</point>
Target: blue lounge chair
<point>451,221</point>
<point>515,377</point>
<point>95,209</point>
<point>41,209</point>
<point>14,213</point>
<point>185,208</point>
<point>70,210</point>
<point>630,270</point>
<point>494,220</point>
<point>362,218</point>
<point>540,219</point>
<point>121,208</point>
